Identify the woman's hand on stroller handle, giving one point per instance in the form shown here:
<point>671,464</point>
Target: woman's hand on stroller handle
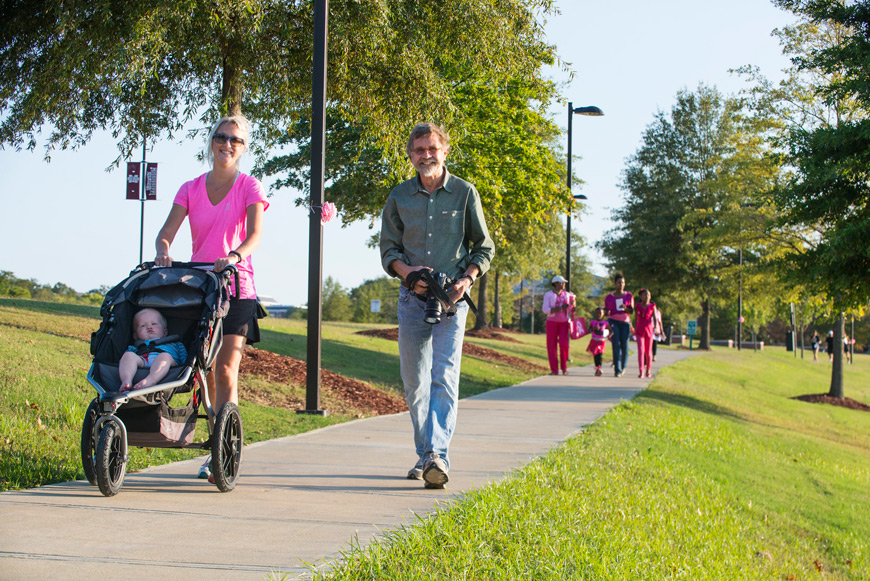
<point>232,259</point>
<point>162,260</point>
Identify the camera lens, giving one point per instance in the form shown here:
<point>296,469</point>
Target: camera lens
<point>432,312</point>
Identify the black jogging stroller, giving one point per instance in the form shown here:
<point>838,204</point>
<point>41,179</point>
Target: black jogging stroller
<point>194,301</point>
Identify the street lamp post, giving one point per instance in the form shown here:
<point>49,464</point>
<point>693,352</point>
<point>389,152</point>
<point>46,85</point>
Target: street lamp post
<point>591,112</point>
<point>740,300</point>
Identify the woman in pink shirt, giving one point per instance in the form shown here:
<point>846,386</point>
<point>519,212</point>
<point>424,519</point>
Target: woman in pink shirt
<point>559,306</point>
<point>225,210</point>
<point>644,327</point>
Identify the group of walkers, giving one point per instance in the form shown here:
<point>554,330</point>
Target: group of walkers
<point>829,346</point>
<point>616,321</point>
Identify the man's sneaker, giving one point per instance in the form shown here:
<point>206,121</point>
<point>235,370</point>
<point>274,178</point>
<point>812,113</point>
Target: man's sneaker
<point>416,473</point>
<point>205,470</point>
<point>433,486</point>
<point>435,472</point>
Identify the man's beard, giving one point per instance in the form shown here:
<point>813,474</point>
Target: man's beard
<point>429,170</point>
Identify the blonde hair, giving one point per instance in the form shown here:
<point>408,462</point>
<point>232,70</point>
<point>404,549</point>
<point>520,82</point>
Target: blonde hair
<point>239,121</point>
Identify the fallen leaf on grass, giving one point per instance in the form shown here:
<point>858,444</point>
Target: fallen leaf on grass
<point>33,406</point>
<point>39,424</point>
<point>818,565</point>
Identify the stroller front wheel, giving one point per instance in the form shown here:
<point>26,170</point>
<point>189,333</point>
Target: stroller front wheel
<point>111,463</point>
<point>89,441</point>
<point>226,447</point>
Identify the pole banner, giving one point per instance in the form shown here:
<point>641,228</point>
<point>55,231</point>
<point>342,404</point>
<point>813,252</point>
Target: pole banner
<point>150,181</point>
<point>133,172</point>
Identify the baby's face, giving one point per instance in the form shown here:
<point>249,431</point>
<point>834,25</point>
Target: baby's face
<point>148,325</point>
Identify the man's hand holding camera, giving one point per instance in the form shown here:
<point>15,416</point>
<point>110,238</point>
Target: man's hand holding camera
<point>420,286</point>
<point>461,286</point>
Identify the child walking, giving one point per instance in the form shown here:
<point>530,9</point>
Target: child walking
<point>600,330</point>
<point>644,326</point>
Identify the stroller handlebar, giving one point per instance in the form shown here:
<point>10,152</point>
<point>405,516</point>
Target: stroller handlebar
<point>230,270</point>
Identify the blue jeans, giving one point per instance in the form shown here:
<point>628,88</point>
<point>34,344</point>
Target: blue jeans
<point>430,356</point>
<point>620,332</point>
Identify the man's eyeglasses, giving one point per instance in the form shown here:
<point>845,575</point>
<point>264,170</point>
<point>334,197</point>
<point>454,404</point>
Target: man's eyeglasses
<point>421,150</point>
<point>220,139</point>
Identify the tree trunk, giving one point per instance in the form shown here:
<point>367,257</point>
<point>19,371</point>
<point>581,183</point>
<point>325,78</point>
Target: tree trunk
<point>496,302</point>
<point>704,342</point>
<point>231,90</point>
<point>480,323</point>
<point>522,302</point>
<point>837,366</point>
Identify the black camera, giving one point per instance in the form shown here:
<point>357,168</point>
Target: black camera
<point>435,308</point>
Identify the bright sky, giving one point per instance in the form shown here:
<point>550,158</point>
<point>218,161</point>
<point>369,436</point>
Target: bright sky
<point>68,221</point>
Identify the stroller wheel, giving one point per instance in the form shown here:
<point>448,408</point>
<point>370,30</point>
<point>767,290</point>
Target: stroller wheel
<point>111,463</point>
<point>226,447</point>
<point>89,441</point>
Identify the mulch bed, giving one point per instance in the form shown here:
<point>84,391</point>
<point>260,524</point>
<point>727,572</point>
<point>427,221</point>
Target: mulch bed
<point>472,350</point>
<point>283,369</point>
<point>845,402</point>
<point>492,333</point>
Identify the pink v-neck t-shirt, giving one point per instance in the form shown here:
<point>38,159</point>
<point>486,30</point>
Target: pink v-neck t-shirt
<point>217,229</point>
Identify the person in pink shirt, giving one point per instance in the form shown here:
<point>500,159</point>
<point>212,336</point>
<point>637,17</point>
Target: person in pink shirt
<point>644,327</point>
<point>225,210</point>
<point>559,306</point>
<point>600,331</point>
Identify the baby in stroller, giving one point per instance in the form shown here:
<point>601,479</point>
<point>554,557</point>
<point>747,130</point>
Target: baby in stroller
<point>152,348</point>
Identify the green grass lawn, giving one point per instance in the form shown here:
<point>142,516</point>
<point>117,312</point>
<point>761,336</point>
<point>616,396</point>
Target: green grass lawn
<point>714,472</point>
<point>44,393</point>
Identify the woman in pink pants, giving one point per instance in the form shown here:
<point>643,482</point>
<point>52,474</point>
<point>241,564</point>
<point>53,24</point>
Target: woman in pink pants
<point>559,306</point>
<point>644,325</point>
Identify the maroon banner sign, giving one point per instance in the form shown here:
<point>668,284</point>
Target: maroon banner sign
<point>150,181</point>
<point>133,172</point>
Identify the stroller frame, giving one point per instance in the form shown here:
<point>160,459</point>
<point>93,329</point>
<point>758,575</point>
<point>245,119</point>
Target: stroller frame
<point>105,438</point>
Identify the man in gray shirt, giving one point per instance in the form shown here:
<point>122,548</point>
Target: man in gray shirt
<point>433,222</point>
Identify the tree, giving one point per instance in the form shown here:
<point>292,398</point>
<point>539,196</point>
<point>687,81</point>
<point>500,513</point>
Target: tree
<point>686,192</point>
<point>147,69</point>
<point>336,301</point>
<point>384,289</point>
<point>825,140</point>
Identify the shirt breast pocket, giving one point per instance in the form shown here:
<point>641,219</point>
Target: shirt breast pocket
<point>451,222</point>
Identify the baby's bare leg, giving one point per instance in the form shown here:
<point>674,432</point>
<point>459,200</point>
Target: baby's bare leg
<point>127,367</point>
<point>159,369</point>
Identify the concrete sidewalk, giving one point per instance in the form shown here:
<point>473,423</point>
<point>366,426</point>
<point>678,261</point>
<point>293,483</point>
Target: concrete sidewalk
<point>300,499</point>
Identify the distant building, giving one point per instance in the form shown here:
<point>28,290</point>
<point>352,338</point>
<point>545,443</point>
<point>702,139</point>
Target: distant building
<point>274,308</point>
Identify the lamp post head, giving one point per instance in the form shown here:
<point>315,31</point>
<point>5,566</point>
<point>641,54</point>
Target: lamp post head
<point>591,111</point>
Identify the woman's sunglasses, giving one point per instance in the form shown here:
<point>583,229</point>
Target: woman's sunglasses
<point>220,139</point>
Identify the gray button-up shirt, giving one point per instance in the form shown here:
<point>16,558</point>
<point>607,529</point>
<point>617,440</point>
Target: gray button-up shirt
<point>445,230</point>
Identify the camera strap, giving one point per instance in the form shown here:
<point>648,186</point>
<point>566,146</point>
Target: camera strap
<point>471,304</point>
<point>442,296</point>
<point>437,291</point>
